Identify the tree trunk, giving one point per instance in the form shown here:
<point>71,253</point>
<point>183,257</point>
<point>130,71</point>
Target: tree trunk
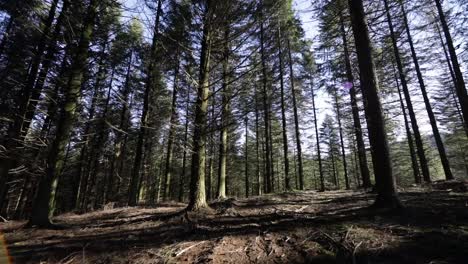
<point>268,163</point>
<point>184,156</point>
<point>170,137</point>
<point>151,82</point>
<point>15,134</point>
<point>296,121</point>
<point>430,113</point>
<point>409,104</point>
<point>460,86</point>
<point>223,140</point>
<point>257,144</point>
<point>247,182</point>
<point>322,179</point>
<point>452,74</point>
<point>386,189</point>
<point>197,196</point>
<point>43,207</point>
<point>361,149</point>
<point>283,114</point>
<point>414,160</point>
<point>340,129</point>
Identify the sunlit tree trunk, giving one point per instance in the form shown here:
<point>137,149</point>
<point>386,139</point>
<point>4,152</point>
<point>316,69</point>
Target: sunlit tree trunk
<point>43,207</point>
<point>197,196</point>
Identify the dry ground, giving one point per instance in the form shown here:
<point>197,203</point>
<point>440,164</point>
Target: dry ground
<point>296,227</point>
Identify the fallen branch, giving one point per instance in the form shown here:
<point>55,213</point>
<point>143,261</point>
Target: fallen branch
<point>188,248</point>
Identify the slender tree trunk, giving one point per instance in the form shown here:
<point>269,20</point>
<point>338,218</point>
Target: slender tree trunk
<point>414,160</point>
<point>430,113</point>
<point>118,146</point>
<point>340,129</point>
<point>257,144</point>
<point>322,179</point>
<point>268,163</point>
<point>336,181</point>
<point>386,189</point>
<point>247,182</point>
<point>184,155</point>
<point>409,104</point>
<point>296,121</point>
<point>460,86</point>
<point>272,152</point>
<point>211,151</point>
<point>170,139</point>
<point>366,181</point>
<point>151,82</point>
<point>283,114</point>
<point>197,196</point>
<point>43,207</point>
<point>452,74</point>
<point>223,140</point>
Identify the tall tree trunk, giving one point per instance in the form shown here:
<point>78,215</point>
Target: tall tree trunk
<point>296,121</point>
<point>15,135</point>
<point>170,138</point>
<point>257,144</point>
<point>46,64</point>
<point>197,196</point>
<point>184,155</point>
<point>247,182</point>
<point>283,114</point>
<point>430,113</point>
<point>414,160</point>
<point>454,79</point>
<point>336,180</point>
<point>460,85</point>
<point>361,149</point>
<point>340,129</point>
<point>268,163</point>
<point>151,82</point>
<point>223,140</point>
<point>119,149</point>
<point>319,156</point>
<point>43,207</point>
<point>409,104</point>
<point>386,189</point>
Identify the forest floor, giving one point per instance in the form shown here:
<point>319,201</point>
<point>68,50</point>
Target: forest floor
<point>294,227</point>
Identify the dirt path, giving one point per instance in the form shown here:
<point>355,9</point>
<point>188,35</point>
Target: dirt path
<point>306,227</point>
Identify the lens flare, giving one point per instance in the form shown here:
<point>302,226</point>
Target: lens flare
<point>4,256</point>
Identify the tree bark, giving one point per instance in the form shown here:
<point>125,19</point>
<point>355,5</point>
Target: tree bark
<point>386,189</point>
<point>170,138</point>
<point>223,140</point>
<point>197,196</point>
<point>361,149</point>
<point>43,207</point>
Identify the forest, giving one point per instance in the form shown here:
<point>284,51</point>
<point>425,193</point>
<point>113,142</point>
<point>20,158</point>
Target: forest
<point>242,131</point>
